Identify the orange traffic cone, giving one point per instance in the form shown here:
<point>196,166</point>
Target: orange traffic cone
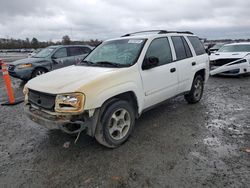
<point>9,89</point>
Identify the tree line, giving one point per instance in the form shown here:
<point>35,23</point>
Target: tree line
<point>34,43</point>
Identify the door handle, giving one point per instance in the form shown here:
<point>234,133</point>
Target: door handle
<point>172,70</point>
<point>193,63</point>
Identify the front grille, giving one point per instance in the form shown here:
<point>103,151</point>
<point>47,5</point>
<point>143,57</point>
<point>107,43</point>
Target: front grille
<point>220,62</point>
<point>42,100</point>
<point>11,67</point>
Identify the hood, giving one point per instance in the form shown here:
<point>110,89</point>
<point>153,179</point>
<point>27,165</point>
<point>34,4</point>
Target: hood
<point>26,60</point>
<point>228,55</point>
<point>68,79</point>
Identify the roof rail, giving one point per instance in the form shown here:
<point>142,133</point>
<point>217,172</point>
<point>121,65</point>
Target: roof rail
<point>158,32</point>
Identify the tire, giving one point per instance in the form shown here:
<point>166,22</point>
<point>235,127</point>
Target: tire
<point>116,124</point>
<point>196,91</point>
<point>38,72</point>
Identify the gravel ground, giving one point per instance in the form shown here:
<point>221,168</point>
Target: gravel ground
<point>173,145</point>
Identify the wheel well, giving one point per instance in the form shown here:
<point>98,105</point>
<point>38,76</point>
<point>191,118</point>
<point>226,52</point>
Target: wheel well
<point>127,96</point>
<point>41,68</point>
<point>201,72</point>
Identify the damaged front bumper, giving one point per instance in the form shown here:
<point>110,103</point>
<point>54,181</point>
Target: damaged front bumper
<point>71,124</point>
<point>236,67</point>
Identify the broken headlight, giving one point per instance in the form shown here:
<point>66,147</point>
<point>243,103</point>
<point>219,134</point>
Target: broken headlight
<point>72,102</point>
<point>25,92</point>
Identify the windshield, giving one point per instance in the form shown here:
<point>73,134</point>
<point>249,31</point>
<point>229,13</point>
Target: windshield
<point>217,46</point>
<point>121,53</point>
<point>236,48</point>
<point>45,52</point>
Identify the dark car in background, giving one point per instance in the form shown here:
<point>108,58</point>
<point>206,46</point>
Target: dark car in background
<point>48,59</point>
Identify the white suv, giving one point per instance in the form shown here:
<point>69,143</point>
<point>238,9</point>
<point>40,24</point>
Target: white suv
<point>116,82</point>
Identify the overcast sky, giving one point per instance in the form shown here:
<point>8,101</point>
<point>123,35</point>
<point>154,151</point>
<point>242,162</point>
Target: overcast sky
<point>103,19</point>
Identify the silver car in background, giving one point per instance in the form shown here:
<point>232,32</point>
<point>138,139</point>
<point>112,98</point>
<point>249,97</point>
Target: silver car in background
<point>48,59</point>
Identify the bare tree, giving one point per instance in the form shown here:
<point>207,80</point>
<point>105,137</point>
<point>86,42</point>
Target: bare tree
<point>66,40</point>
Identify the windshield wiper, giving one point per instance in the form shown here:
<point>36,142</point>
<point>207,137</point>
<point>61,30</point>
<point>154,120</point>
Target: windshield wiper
<point>109,63</point>
<point>87,62</point>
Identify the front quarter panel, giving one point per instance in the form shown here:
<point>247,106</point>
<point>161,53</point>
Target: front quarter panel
<point>102,89</point>
<point>43,64</point>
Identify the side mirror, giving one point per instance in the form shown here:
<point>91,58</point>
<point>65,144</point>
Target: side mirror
<point>150,62</point>
<point>54,60</point>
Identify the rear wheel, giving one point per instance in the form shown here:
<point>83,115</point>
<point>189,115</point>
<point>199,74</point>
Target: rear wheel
<point>117,122</point>
<point>196,91</point>
<point>38,72</point>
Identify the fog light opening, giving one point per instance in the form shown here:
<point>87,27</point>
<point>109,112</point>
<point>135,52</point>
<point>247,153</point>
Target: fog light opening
<point>72,127</point>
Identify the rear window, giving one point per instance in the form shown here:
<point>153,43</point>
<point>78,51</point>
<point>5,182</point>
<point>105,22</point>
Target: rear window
<point>197,45</point>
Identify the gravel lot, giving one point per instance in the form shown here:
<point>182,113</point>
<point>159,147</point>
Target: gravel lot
<point>173,145</point>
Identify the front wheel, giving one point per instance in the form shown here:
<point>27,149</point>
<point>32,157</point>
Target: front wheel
<point>196,91</point>
<point>38,72</point>
<point>116,124</point>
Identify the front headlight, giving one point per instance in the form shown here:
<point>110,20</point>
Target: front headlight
<point>71,102</point>
<point>25,92</point>
<point>23,66</point>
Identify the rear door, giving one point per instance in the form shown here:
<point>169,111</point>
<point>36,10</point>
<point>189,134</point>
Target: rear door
<point>185,61</point>
<point>202,59</point>
<point>160,82</point>
<point>78,53</point>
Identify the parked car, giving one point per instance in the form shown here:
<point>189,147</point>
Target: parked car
<point>117,82</point>
<point>48,59</point>
<point>231,59</point>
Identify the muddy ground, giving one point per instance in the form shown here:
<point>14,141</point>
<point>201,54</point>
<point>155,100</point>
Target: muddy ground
<point>173,145</point>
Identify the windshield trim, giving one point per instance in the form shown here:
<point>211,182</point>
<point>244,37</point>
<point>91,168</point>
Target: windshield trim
<point>125,66</point>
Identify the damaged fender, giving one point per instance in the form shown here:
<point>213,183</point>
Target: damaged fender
<point>240,66</point>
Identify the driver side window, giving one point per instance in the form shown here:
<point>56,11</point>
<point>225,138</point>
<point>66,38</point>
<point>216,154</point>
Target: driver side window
<point>160,48</point>
<point>60,53</point>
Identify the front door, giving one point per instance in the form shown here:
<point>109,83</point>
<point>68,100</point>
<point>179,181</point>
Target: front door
<point>160,82</point>
<point>60,58</point>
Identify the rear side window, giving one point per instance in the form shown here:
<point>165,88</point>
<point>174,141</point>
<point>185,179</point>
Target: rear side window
<point>85,50</point>
<point>197,45</point>
<point>160,48</point>
<point>181,47</point>
<point>75,51</point>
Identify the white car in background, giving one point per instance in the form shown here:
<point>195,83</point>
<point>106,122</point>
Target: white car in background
<point>231,59</point>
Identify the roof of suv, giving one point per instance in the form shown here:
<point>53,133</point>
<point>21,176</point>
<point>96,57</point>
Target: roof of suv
<point>153,34</point>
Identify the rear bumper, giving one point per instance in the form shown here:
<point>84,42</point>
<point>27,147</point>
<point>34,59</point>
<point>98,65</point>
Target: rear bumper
<point>70,124</point>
